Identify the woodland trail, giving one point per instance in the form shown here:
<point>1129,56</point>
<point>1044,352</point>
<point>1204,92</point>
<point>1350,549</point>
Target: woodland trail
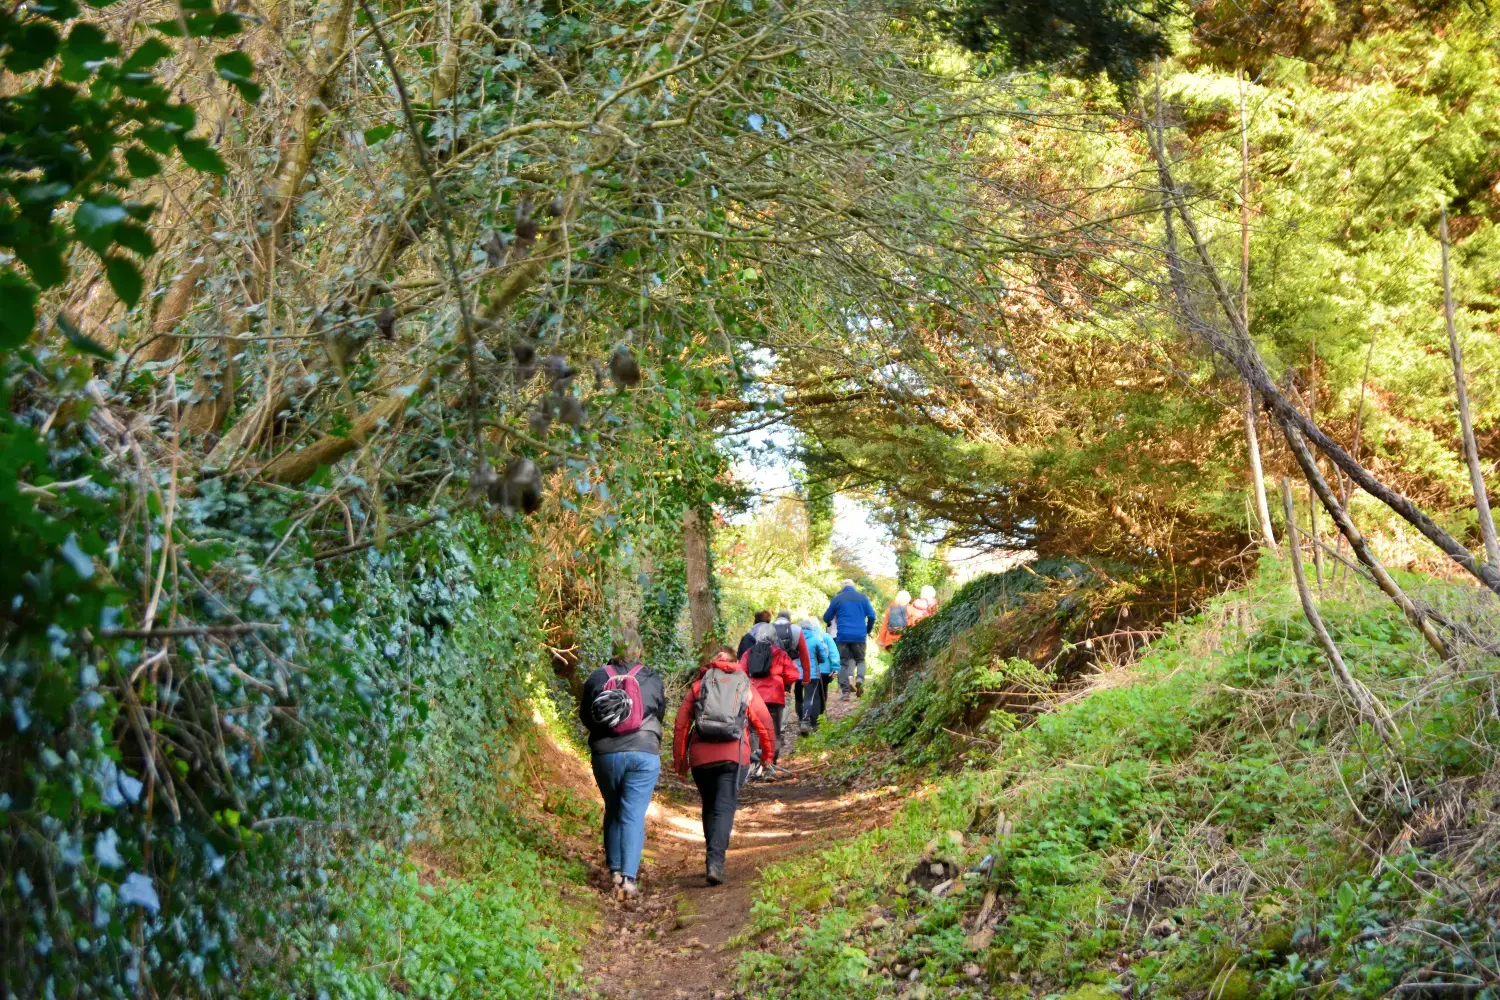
<point>678,943</point>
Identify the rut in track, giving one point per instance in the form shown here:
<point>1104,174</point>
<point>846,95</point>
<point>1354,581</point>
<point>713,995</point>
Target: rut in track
<point>675,943</point>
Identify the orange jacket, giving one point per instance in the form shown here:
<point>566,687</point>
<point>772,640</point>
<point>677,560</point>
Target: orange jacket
<point>886,636</point>
<point>688,752</point>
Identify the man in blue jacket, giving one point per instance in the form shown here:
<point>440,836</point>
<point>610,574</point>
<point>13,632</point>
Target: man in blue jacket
<point>853,616</point>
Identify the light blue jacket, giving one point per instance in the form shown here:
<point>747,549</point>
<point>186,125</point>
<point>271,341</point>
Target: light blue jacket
<point>821,647</point>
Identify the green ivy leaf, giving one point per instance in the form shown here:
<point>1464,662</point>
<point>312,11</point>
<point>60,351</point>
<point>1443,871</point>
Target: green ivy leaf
<point>124,278</point>
<point>95,222</point>
<point>225,26</point>
<point>81,341</point>
<point>379,134</point>
<point>141,163</point>
<point>197,154</point>
<point>147,54</point>
<point>156,139</point>
<point>38,194</point>
<point>17,309</point>
<point>237,69</point>
<point>178,116</point>
<point>133,237</point>
<point>45,261</point>
<point>55,10</point>
<point>86,41</point>
<point>30,48</point>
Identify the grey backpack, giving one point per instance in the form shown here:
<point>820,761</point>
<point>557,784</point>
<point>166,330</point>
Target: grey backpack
<point>723,702</point>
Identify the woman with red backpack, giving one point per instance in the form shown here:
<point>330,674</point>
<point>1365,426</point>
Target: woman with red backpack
<point>622,706</point>
<point>712,738</point>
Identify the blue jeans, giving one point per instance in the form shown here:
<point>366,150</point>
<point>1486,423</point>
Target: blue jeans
<point>626,780</point>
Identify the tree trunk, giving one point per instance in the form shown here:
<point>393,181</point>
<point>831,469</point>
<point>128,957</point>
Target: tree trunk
<point>1357,543</point>
<point>700,594</point>
<point>1471,449</point>
<point>1369,706</point>
<point>1247,398</point>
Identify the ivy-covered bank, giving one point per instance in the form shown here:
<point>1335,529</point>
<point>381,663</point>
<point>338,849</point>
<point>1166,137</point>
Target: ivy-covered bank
<point>291,772</point>
<point>1211,822</point>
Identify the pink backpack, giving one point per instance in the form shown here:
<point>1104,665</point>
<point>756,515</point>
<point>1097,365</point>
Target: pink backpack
<point>625,681</point>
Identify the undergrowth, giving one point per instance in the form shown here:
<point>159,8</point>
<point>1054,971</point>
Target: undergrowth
<point>1212,822</point>
<point>1003,641</point>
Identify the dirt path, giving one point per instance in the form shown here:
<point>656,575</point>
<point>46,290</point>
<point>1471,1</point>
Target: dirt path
<point>675,944</point>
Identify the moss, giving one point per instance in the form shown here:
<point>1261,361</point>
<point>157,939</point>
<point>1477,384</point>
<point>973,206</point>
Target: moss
<point>1276,938</point>
<point>1235,985</point>
<point>1093,991</point>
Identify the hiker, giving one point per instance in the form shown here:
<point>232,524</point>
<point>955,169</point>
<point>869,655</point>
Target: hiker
<point>923,607</point>
<point>772,671</point>
<point>896,619</point>
<point>790,638</point>
<point>622,706</point>
<point>747,640</point>
<point>853,615</point>
<point>712,738</point>
<point>824,653</point>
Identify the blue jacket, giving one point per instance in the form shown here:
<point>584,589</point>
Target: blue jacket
<point>821,647</point>
<point>854,614</point>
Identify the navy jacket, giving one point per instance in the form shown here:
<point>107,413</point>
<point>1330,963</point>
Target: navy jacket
<point>854,614</point>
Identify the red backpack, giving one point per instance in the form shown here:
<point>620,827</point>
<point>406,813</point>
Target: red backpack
<point>625,681</point>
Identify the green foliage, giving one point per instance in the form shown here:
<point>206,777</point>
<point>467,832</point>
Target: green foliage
<point>950,669</point>
<point>1223,756</point>
<point>772,562</point>
<point>87,119</point>
<point>500,929</point>
<point>157,792</point>
<point>1084,37</point>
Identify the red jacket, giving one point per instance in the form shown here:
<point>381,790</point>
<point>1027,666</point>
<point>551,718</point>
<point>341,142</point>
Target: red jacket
<point>807,669</point>
<point>748,640</point>
<point>694,753</point>
<point>784,673</point>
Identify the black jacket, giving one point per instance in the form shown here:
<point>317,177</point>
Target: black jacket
<point>646,739</point>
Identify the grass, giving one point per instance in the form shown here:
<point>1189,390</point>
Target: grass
<point>1212,821</point>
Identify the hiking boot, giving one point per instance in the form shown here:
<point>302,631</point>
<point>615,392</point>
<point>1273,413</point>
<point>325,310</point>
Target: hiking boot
<point>627,890</point>
<point>715,873</point>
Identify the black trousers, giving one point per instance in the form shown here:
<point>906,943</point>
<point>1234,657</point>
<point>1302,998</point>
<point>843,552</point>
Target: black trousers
<point>719,786</point>
<point>813,704</point>
<point>777,712</point>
